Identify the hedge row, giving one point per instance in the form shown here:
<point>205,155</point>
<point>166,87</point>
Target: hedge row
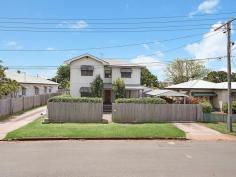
<point>206,107</point>
<point>145,100</point>
<point>67,98</point>
<point>225,107</point>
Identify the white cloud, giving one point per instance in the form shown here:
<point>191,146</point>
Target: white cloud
<point>206,7</point>
<point>81,24</point>
<point>146,46</point>
<point>50,48</point>
<point>212,44</point>
<point>13,45</point>
<point>152,64</point>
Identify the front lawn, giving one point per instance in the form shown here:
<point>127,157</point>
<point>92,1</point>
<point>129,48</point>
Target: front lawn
<point>95,130</point>
<point>221,127</point>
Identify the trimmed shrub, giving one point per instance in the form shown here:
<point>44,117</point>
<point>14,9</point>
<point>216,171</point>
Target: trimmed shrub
<point>206,107</point>
<point>68,98</point>
<point>225,107</point>
<point>145,100</point>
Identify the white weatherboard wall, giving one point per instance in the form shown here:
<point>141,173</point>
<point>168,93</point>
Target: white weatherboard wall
<point>30,89</point>
<point>135,76</point>
<point>77,81</point>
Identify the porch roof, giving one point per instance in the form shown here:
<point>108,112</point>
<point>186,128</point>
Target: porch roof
<point>134,87</point>
<point>167,93</point>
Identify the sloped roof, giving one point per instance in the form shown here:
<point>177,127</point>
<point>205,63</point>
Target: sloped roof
<point>194,84</point>
<point>168,93</point>
<point>201,84</point>
<point>28,79</point>
<point>111,62</point>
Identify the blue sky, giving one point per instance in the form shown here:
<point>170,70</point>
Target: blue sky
<point>82,11</point>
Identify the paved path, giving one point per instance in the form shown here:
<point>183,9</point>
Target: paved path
<point>195,131</point>
<point>118,159</point>
<point>107,117</point>
<point>21,120</point>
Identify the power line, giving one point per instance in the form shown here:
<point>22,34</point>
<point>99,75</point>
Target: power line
<point>104,47</point>
<point>87,31</point>
<point>119,18</point>
<point>92,28</point>
<point>128,64</point>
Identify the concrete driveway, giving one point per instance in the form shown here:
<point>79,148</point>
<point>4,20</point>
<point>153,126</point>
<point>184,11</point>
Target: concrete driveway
<point>21,120</point>
<point>195,131</point>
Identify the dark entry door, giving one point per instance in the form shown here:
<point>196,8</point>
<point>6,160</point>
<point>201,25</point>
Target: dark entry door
<point>107,96</point>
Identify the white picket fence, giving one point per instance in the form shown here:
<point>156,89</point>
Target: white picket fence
<point>13,105</point>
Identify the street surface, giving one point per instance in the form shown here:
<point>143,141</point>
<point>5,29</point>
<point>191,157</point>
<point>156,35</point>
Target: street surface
<point>121,158</point>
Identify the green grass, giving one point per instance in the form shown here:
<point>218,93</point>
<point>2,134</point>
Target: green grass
<point>221,127</point>
<point>95,130</point>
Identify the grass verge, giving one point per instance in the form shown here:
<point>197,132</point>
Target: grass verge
<point>95,130</point>
<point>221,127</point>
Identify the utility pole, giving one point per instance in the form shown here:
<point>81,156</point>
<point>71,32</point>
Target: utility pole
<point>227,27</point>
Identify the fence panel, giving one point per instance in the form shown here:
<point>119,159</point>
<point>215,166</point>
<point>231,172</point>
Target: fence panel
<point>12,105</point>
<point>16,105</point>
<point>74,112</point>
<point>131,112</point>
<point>5,107</point>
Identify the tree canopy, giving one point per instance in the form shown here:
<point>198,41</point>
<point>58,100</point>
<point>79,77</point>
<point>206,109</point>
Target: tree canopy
<point>118,87</point>
<point>7,86</point>
<point>63,76</point>
<point>148,79</point>
<point>97,87</point>
<point>219,76</point>
<point>182,71</point>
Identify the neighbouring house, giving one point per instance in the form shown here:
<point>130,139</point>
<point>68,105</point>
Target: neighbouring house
<point>84,69</point>
<point>32,85</point>
<point>215,93</point>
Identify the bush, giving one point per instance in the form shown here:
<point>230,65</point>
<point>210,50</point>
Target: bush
<point>206,107</point>
<point>225,107</point>
<point>146,100</point>
<point>68,98</point>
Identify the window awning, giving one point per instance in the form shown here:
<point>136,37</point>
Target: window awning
<point>87,67</point>
<point>128,70</point>
<point>85,89</point>
<point>203,94</point>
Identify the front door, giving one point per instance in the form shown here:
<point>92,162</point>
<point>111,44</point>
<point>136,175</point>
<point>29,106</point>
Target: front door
<point>107,96</point>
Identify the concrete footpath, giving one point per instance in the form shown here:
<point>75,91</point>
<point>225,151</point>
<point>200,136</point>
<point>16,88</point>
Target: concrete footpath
<point>195,131</point>
<point>21,120</point>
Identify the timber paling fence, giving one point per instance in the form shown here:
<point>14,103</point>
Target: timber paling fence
<point>139,113</point>
<point>61,112</point>
<point>217,117</point>
<point>13,105</point>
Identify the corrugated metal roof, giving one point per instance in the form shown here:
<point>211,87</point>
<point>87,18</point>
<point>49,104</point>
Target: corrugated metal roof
<point>201,84</point>
<point>167,93</point>
<point>28,79</point>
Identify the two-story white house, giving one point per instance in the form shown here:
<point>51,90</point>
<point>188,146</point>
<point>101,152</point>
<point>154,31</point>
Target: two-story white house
<point>85,68</point>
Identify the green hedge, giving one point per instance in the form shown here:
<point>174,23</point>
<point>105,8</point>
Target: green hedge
<point>206,107</point>
<point>225,107</point>
<point>145,100</point>
<point>67,98</point>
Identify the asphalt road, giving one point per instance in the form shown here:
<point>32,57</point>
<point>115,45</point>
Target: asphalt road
<point>118,159</point>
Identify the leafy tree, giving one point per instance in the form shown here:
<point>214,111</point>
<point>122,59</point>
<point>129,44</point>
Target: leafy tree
<point>97,87</point>
<point>7,86</point>
<point>63,76</point>
<point>148,79</point>
<point>219,76</point>
<point>181,71</point>
<point>118,88</point>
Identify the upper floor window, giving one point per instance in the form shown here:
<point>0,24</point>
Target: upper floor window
<point>87,70</point>
<point>126,72</point>
<point>107,72</point>
<point>50,89</point>
<point>36,90</point>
